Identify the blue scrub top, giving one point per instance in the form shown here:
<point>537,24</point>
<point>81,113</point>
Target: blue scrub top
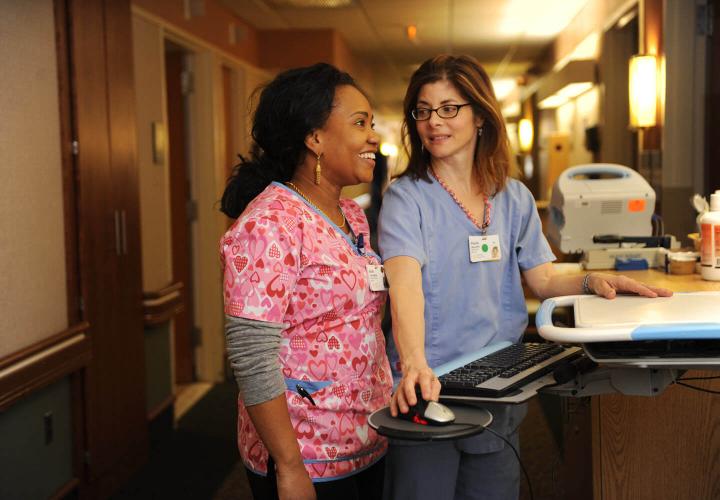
<point>467,305</point>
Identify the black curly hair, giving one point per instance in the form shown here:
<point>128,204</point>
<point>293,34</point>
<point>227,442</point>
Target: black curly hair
<point>290,107</point>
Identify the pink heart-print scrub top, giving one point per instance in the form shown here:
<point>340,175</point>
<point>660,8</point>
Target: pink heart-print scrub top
<point>286,262</point>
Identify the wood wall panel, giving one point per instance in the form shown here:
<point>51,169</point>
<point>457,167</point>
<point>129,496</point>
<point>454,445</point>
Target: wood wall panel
<point>43,363</point>
<point>126,444</point>
<point>212,26</point>
<point>180,197</point>
<point>651,42</point>
<point>291,48</point>
<point>109,247</point>
<point>163,305</point>
<point>97,237</point>
<point>68,163</point>
<point>661,447</point>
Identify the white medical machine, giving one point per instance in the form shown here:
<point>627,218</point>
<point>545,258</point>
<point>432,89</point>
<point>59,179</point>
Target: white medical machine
<point>599,199</point>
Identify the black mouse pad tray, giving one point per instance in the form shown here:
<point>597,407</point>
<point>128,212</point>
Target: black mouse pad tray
<point>469,420</point>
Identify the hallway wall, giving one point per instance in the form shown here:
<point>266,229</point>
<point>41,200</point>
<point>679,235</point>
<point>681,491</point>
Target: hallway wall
<point>33,296</point>
<point>252,60</point>
<point>205,151</point>
<point>33,289</point>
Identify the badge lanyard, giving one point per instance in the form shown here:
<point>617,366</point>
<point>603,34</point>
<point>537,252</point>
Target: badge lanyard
<point>482,248</point>
<point>375,272</point>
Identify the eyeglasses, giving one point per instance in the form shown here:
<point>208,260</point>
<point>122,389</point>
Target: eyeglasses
<point>444,111</point>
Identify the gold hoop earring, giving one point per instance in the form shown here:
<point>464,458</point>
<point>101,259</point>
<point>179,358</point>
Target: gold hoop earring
<point>318,169</point>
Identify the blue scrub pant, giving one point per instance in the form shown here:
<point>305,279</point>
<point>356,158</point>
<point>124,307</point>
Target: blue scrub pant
<point>480,467</point>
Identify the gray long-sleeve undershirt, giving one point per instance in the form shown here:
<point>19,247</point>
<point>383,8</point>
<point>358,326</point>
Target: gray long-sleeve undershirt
<point>253,348</point>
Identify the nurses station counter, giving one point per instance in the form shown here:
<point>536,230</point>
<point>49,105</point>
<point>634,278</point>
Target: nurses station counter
<point>661,447</point>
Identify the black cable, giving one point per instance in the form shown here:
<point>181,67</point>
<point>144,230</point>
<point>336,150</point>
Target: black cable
<point>698,388</point>
<point>699,378</point>
<point>517,455</point>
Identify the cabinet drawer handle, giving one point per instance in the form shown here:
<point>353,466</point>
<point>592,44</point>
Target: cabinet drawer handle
<point>117,232</point>
<point>124,232</point>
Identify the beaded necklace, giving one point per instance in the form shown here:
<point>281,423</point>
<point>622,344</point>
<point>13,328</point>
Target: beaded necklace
<point>304,197</point>
<point>486,205</point>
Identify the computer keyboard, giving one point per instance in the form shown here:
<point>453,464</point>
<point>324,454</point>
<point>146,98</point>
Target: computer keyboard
<point>503,372</point>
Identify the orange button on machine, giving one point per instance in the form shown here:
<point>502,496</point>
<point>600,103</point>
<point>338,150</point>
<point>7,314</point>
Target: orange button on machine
<point>636,205</point>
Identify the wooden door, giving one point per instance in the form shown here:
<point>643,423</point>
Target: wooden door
<point>180,211</point>
<point>109,242</point>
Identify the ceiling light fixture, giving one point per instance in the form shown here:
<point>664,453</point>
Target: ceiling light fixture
<point>411,33</point>
<point>576,78</point>
<point>511,110</point>
<point>503,87</point>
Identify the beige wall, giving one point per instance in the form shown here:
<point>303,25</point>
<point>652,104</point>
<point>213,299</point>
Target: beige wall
<point>33,296</point>
<point>573,118</point>
<point>207,172</point>
<point>206,156</point>
<point>148,54</point>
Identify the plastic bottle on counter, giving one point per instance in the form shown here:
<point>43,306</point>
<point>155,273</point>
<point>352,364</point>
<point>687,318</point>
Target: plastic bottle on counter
<point>710,235</point>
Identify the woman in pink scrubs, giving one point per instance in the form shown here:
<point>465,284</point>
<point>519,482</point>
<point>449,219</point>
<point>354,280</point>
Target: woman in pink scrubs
<point>302,295</point>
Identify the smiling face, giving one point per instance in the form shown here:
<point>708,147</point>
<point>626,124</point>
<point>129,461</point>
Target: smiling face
<point>347,140</point>
<point>447,138</point>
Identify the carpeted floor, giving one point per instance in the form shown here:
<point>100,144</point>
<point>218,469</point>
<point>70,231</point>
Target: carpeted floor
<point>200,459</point>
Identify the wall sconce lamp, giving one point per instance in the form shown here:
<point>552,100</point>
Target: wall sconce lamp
<point>643,78</point>
<point>525,135</point>
<point>159,143</point>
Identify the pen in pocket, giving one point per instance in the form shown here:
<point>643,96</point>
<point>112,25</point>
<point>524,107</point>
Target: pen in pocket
<point>304,394</point>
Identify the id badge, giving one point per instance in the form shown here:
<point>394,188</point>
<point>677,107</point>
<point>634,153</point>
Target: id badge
<point>376,277</point>
<point>484,248</point>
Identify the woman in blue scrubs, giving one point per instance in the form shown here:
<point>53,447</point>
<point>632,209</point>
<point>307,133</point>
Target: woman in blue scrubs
<point>457,235</point>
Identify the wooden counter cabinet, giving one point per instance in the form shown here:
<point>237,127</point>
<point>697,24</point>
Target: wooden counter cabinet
<point>663,447</point>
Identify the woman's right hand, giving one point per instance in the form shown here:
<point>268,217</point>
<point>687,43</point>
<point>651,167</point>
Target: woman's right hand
<point>293,483</point>
<point>414,374</point>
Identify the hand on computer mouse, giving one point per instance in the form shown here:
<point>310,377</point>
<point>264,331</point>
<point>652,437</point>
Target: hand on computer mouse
<point>414,377</point>
<point>428,412</point>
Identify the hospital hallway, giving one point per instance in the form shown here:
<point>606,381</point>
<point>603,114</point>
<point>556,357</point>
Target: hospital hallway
<point>124,119</point>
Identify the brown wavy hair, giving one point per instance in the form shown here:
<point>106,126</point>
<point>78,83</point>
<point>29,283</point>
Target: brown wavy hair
<point>493,161</point>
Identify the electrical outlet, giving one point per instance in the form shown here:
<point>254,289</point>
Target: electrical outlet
<point>48,425</point>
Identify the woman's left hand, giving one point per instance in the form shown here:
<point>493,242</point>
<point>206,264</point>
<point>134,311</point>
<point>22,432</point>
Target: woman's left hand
<point>608,286</point>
